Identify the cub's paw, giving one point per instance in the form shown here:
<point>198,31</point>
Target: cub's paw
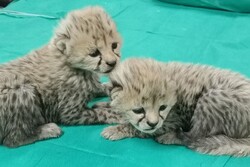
<point>50,130</point>
<point>113,133</point>
<point>169,138</point>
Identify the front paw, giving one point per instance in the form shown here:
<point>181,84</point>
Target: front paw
<point>113,133</point>
<point>50,130</point>
<point>169,138</point>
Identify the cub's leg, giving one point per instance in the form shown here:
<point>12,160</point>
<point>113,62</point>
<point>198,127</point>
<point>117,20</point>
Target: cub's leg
<point>21,112</point>
<point>102,105</point>
<point>122,131</point>
<point>79,115</point>
<point>218,113</point>
<point>18,136</point>
<point>73,110</point>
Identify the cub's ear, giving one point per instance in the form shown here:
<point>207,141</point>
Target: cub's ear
<point>62,43</point>
<point>116,94</point>
<point>62,36</point>
<point>115,86</point>
<point>170,86</point>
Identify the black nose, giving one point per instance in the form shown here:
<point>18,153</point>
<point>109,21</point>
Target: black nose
<point>111,64</point>
<point>152,124</point>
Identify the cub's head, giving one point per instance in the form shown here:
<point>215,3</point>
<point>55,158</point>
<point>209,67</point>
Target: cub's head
<point>143,93</point>
<point>89,40</point>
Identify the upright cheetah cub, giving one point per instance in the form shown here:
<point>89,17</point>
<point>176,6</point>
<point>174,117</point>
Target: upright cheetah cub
<point>205,108</point>
<point>53,84</point>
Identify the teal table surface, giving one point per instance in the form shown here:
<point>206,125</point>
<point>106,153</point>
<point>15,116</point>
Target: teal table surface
<point>149,28</point>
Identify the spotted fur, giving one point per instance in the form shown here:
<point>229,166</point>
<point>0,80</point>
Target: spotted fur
<point>54,84</point>
<point>202,107</point>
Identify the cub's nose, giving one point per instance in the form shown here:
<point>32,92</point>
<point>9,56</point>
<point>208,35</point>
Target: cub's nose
<point>152,124</point>
<point>111,63</point>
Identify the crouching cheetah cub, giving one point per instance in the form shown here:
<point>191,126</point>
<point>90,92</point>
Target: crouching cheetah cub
<point>202,107</point>
<point>53,84</point>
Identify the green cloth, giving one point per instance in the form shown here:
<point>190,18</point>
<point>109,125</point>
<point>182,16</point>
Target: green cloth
<point>230,5</point>
<point>150,29</point>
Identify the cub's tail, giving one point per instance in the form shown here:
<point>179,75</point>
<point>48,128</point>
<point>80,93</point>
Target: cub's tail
<point>221,145</point>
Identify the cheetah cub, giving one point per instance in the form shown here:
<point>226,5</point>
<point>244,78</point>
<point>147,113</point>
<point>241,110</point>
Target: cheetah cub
<point>202,107</point>
<point>54,84</point>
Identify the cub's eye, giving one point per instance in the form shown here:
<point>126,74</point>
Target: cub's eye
<point>139,111</point>
<point>162,107</point>
<point>114,45</point>
<point>95,53</point>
